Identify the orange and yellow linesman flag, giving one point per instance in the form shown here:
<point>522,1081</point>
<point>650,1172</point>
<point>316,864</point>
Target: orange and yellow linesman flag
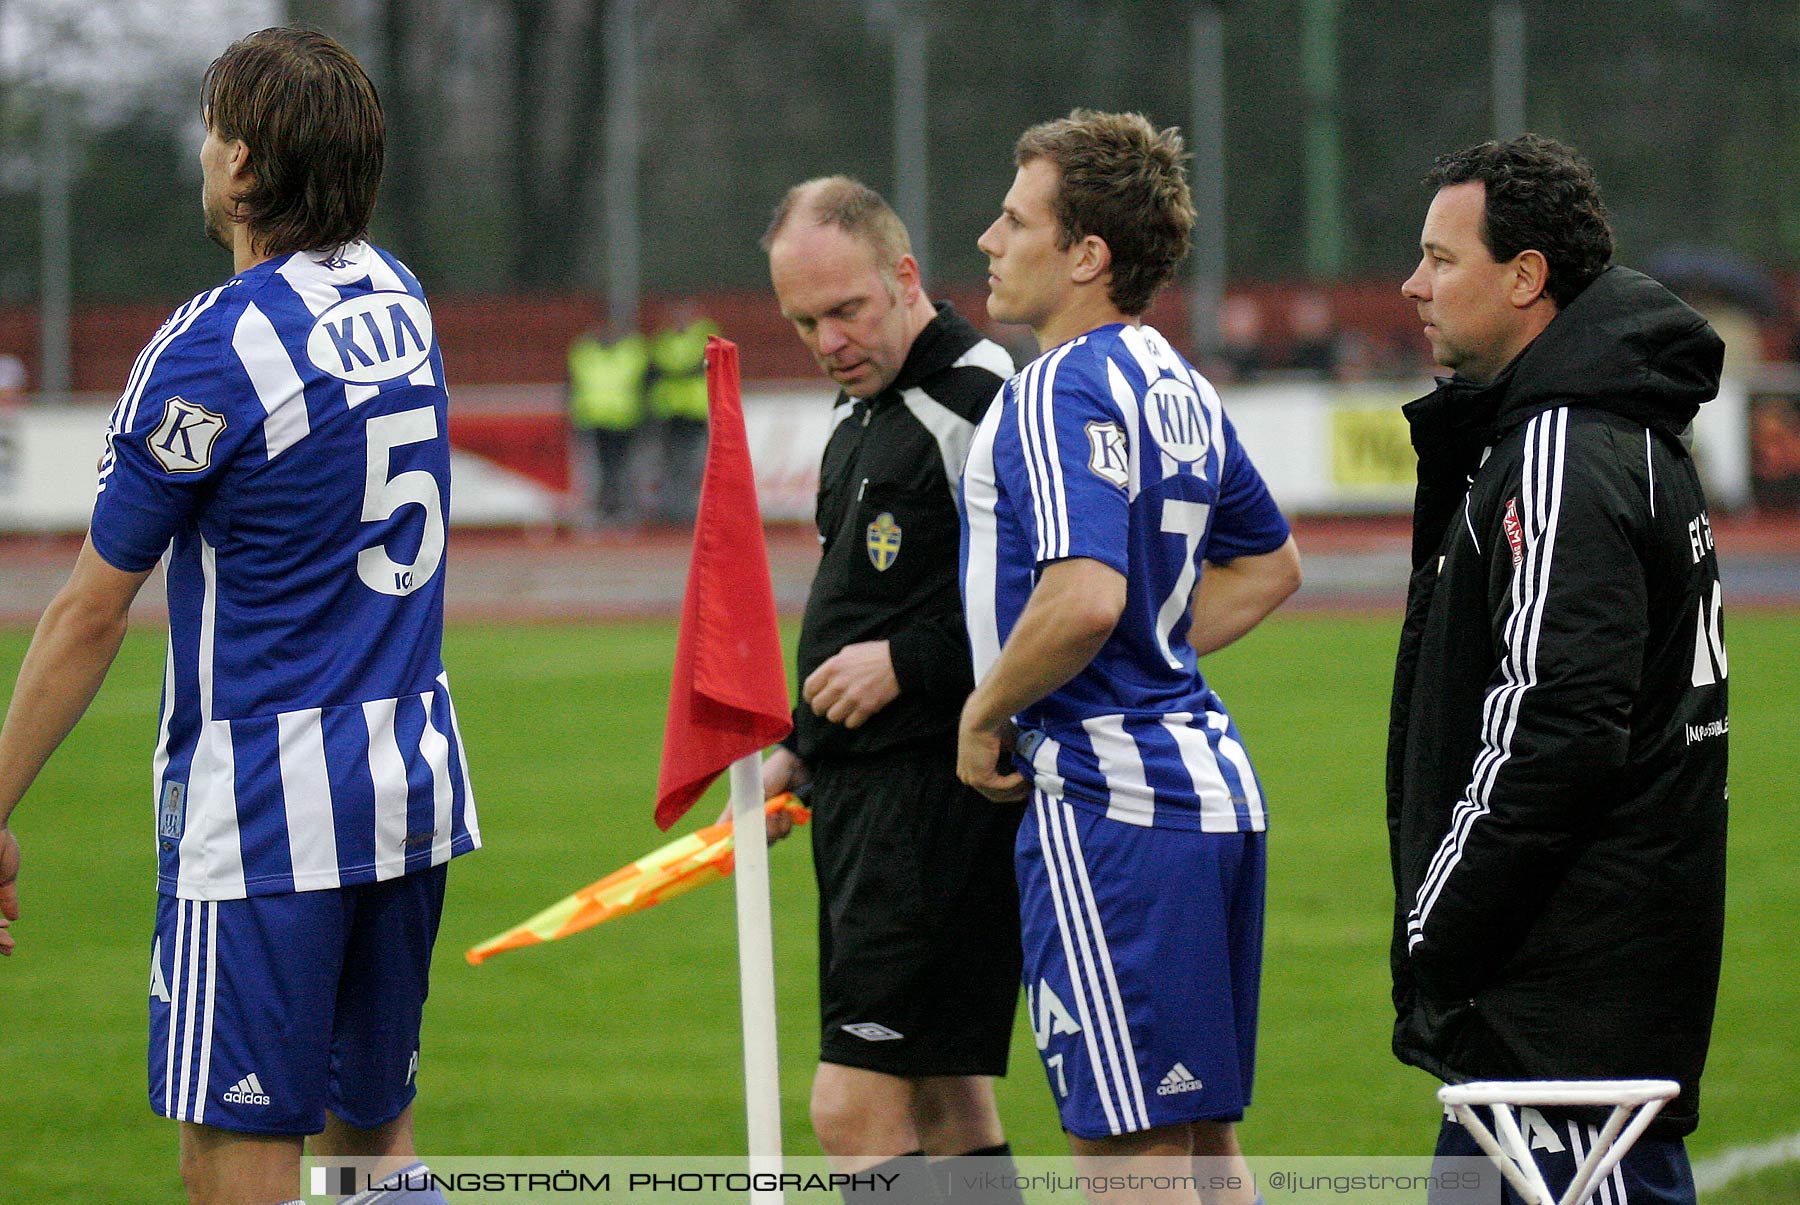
<point>675,869</point>
<point>729,697</point>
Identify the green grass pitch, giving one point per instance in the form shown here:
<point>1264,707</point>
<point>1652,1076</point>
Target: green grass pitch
<point>623,1040</point>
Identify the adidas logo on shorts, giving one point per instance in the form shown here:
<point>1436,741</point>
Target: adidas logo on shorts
<point>1179,1079</point>
<point>247,1091</point>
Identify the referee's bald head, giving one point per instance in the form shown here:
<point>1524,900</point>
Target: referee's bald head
<point>851,206</point>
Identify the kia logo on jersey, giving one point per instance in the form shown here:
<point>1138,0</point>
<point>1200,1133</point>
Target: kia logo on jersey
<point>371,338</point>
<point>1177,420</point>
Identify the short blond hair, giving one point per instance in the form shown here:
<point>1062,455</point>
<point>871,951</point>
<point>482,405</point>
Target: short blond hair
<point>1121,179</point>
<point>853,207</point>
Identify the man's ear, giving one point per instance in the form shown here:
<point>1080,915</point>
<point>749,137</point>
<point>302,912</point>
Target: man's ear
<point>906,272</point>
<point>1093,260</point>
<point>1531,273</point>
<point>237,161</point>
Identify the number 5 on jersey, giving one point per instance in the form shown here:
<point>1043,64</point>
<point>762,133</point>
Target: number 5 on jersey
<point>383,495</point>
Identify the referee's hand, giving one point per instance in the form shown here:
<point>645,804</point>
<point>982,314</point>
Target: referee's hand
<point>782,771</point>
<point>979,749</point>
<point>854,684</point>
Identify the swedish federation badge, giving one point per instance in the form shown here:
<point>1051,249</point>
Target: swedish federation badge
<point>883,541</point>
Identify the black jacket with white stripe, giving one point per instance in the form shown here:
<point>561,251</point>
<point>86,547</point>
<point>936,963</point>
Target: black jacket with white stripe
<point>1557,748</point>
<point>891,537</point>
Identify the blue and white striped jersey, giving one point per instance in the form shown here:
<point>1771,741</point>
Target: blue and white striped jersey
<point>1112,447</point>
<point>281,446</point>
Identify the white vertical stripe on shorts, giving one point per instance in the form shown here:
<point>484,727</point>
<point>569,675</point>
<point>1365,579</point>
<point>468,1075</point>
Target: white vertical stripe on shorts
<point>195,1022</point>
<point>1043,805</point>
<point>1091,977</point>
<point>1115,998</point>
<point>211,912</point>
<point>192,955</point>
<point>175,1006</point>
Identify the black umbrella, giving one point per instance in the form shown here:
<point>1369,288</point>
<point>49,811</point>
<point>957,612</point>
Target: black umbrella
<point>1719,273</point>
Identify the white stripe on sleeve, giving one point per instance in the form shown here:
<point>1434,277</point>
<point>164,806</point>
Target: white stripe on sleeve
<point>1043,463</point>
<point>147,359</point>
<point>1035,474</point>
<point>1541,477</point>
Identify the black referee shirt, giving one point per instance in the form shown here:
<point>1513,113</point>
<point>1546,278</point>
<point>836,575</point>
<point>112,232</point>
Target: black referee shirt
<point>888,524</point>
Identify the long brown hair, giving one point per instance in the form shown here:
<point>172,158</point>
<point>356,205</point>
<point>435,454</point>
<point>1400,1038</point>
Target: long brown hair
<point>312,121</point>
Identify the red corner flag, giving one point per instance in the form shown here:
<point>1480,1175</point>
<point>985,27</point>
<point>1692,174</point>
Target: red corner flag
<point>729,697</point>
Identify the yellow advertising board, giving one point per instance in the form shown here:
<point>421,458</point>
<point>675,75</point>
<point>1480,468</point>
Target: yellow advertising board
<point>1371,445</point>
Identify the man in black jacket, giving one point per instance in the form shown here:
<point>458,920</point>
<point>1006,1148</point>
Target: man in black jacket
<point>918,912</point>
<point>1556,760</point>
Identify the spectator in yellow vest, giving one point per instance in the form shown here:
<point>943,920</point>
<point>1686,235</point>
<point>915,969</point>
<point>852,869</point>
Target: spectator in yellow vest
<point>678,400</point>
<point>608,376</point>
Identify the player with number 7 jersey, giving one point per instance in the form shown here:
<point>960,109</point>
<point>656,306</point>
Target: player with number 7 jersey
<point>1113,532</point>
<point>1112,447</point>
<point>281,447</point>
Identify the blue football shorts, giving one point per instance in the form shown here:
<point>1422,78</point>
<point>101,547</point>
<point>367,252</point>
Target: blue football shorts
<point>265,1012</point>
<point>1143,958</point>
<point>1655,1171</point>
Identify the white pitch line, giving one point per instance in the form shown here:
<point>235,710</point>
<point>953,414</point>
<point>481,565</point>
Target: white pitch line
<point>1729,1165</point>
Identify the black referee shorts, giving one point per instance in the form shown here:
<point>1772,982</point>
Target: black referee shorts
<point>918,916</point>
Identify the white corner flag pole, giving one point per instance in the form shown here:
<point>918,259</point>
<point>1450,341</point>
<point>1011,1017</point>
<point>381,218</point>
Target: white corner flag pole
<point>756,974</point>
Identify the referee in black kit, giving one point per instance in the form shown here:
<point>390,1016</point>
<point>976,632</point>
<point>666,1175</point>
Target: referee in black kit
<point>918,911</point>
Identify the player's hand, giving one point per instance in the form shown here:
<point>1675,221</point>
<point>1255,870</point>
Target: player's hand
<point>979,748</point>
<point>9,887</point>
<point>855,684</point>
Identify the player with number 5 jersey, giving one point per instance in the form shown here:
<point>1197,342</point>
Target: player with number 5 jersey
<point>1114,532</point>
<point>281,449</point>
<point>282,442</point>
